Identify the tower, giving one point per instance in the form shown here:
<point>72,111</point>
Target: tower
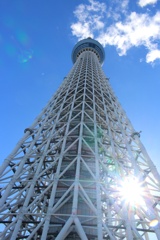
<point>80,170</point>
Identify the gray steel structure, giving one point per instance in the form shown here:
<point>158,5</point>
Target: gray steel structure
<point>64,179</point>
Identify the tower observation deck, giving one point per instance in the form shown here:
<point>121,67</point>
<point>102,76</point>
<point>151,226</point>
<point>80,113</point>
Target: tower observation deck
<point>80,171</point>
<point>88,45</point>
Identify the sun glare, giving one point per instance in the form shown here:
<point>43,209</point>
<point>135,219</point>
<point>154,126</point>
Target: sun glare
<point>131,191</point>
<point>153,223</point>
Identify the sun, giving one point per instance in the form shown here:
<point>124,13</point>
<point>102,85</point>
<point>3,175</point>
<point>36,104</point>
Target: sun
<point>131,191</point>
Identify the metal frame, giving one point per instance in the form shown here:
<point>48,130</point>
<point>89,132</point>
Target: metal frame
<point>62,179</point>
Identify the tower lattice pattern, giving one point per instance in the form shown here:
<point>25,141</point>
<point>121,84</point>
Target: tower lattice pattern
<point>65,177</point>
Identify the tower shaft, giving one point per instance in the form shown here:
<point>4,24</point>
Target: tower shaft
<point>65,178</point>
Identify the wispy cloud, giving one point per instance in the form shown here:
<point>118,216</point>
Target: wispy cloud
<point>153,55</point>
<point>143,3</point>
<point>136,30</point>
<point>89,19</point>
<point>119,28</point>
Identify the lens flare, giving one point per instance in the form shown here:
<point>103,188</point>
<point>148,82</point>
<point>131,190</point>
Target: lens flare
<point>25,56</point>
<point>131,191</point>
<point>153,223</point>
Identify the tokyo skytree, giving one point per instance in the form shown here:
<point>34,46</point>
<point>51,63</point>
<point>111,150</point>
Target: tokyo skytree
<point>80,171</point>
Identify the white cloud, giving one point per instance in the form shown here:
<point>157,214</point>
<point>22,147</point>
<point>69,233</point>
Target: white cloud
<point>116,9</point>
<point>89,19</point>
<point>81,30</point>
<point>131,30</point>
<point>143,3</point>
<point>124,5</point>
<point>96,6</point>
<point>153,55</point>
<point>136,30</point>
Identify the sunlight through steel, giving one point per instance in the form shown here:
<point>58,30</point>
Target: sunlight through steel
<point>132,191</point>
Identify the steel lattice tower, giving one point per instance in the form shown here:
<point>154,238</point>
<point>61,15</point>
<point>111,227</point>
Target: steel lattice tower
<point>67,177</point>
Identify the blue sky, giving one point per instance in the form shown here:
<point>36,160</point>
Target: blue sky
<point>36,41</point>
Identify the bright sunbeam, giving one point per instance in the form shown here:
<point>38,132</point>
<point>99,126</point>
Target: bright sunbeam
<point>131,191</point>
<point>153,223</point>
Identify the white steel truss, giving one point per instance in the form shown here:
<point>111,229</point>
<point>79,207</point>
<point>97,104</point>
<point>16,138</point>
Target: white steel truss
<point>64,178</point>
